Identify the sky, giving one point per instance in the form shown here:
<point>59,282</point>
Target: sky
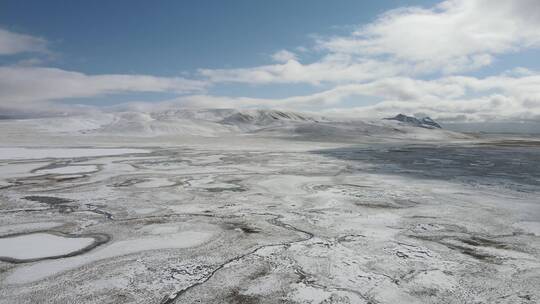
<point>454,60</point>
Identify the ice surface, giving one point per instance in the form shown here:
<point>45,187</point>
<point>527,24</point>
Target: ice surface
<point>68,170</point>
<point>24,227</point>
<point>40,245</point>
<point>154,183</point>
<point>44,269</point>
<point>33,153</point>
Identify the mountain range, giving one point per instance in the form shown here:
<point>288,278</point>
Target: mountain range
<point>221,122</point>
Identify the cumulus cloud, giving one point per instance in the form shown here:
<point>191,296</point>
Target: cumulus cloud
<point>13,43</point>
<point>452,98</point>
<point>453,36</point>
<point>330,69</point>
<point>20,84</point>
<point>283,56</point>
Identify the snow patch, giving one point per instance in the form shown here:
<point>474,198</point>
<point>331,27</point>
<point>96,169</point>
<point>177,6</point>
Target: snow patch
<point>69,170</point>
<point>37,153</point>
<point>40,245</point>
<point>44,269</point>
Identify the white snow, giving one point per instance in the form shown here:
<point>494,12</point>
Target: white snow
<point>155,183</point>
<point>370,227</point>
<point>41,270</point>
<point>23,227</point>
<point>36,153</point>
<point>40,245</point>
<point>218,122</point>
<point>69,170</point>
<point>144,210</point>
<point>529,227</point>
<point>16,170</point>
<point>308,294</point>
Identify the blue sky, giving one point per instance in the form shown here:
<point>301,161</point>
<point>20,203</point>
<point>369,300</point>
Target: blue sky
<point>171,37</point>
<point>362,57</point>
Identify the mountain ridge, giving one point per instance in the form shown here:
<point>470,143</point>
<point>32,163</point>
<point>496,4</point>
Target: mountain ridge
<point>424,122</point>
<point>181,122</point>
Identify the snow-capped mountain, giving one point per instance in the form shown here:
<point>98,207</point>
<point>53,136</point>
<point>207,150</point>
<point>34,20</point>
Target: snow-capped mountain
<point>200,122</point>
<point>425,122</point>
<point>182,122</point>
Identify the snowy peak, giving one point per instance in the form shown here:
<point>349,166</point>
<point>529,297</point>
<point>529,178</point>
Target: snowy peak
<point>198,122</point>
<point>231,116</point>
<point>178,122</point>
<point>266,117</point>
<point>210,115</point>
<point>425,122</point>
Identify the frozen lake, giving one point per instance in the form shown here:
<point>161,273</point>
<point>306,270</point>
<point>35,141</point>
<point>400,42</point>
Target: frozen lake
<point>40,245</point>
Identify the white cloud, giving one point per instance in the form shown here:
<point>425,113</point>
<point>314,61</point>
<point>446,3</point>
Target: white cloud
<point>283,56</point>
<point>13,43</point>
<point>330,69</point>
<point>488,108</point>
<point>453,36</point>
<point>448,98</point>
<point>34,84</point>
<point>454,98</point>
<point>520,71</point>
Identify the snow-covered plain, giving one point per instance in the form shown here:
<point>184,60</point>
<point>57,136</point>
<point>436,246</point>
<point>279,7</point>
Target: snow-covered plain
<point>265,207</point>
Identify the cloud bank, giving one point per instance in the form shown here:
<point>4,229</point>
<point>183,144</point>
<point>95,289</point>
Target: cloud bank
<point>33,84</point>
<point>13,43</point>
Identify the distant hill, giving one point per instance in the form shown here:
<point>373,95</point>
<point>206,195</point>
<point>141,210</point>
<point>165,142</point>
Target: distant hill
<point>425,122</point>
<point>182,122</point>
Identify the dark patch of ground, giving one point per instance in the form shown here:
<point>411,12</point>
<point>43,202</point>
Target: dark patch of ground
<point>62,204</point>
<point>514,166</point>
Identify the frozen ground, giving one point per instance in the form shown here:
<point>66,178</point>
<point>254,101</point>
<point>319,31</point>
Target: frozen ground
<point>261,217</point>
